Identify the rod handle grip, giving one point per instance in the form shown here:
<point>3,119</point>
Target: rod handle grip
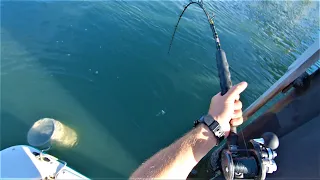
<point>224,75</point>
<point>223,71</point>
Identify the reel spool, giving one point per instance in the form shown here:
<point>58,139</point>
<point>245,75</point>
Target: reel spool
<point>252,163</point>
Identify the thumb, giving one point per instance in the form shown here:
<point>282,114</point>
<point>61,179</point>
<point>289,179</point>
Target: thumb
<point>236,90</point>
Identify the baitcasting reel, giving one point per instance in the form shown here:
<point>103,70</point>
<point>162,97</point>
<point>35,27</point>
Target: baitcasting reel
<point>254,162</point>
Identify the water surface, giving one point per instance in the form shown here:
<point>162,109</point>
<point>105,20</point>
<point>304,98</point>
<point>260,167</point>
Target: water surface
<point>102,68</point>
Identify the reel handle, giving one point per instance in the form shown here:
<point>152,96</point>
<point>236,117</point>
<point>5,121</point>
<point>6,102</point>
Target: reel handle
<point>270,140</point>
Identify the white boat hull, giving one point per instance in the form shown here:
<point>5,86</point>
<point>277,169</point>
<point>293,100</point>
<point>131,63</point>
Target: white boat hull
<point>27,162</point>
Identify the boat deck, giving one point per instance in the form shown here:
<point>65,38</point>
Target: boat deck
<point>295,118</point>
<point>297,124</point>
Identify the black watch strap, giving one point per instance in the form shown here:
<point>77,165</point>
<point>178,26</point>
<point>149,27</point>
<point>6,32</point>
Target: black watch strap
<point>213,125</point>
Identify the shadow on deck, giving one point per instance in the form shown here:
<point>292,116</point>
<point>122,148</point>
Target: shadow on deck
<point>295,119</point>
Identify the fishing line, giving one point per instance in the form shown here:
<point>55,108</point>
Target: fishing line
<point>245,144</point>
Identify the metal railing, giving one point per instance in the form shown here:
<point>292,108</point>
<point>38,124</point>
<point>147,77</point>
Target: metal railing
<point>298,67</point>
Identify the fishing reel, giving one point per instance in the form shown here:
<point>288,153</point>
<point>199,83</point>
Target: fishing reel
<point>253,162</point>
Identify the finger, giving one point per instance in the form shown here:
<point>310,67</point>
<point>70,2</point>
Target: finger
<point>237,105</point>
<point>236,90</point>
<point>237,114</point>
<point>236,121</point>
<point>237,97</point>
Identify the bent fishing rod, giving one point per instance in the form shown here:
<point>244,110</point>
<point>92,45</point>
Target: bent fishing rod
<point>221,59</point>
<point>256,160</point>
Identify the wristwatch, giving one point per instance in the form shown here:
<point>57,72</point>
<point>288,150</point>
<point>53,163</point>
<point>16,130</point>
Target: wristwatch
<point>213,125</point>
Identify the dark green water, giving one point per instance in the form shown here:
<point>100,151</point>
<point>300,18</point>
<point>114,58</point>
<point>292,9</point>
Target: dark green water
<point>102,68</point>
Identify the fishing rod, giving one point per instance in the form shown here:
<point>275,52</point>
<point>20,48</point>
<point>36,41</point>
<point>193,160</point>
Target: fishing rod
<point>256,160</point>
<point>221,59</point>
<point>222,63</point>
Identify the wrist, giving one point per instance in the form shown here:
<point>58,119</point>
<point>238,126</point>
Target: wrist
<point>225,125</point>
<point>203,132</point>
<point>216,118</point>
<point>201,141</point>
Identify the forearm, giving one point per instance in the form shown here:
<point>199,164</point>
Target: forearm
<point>177,160</point>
